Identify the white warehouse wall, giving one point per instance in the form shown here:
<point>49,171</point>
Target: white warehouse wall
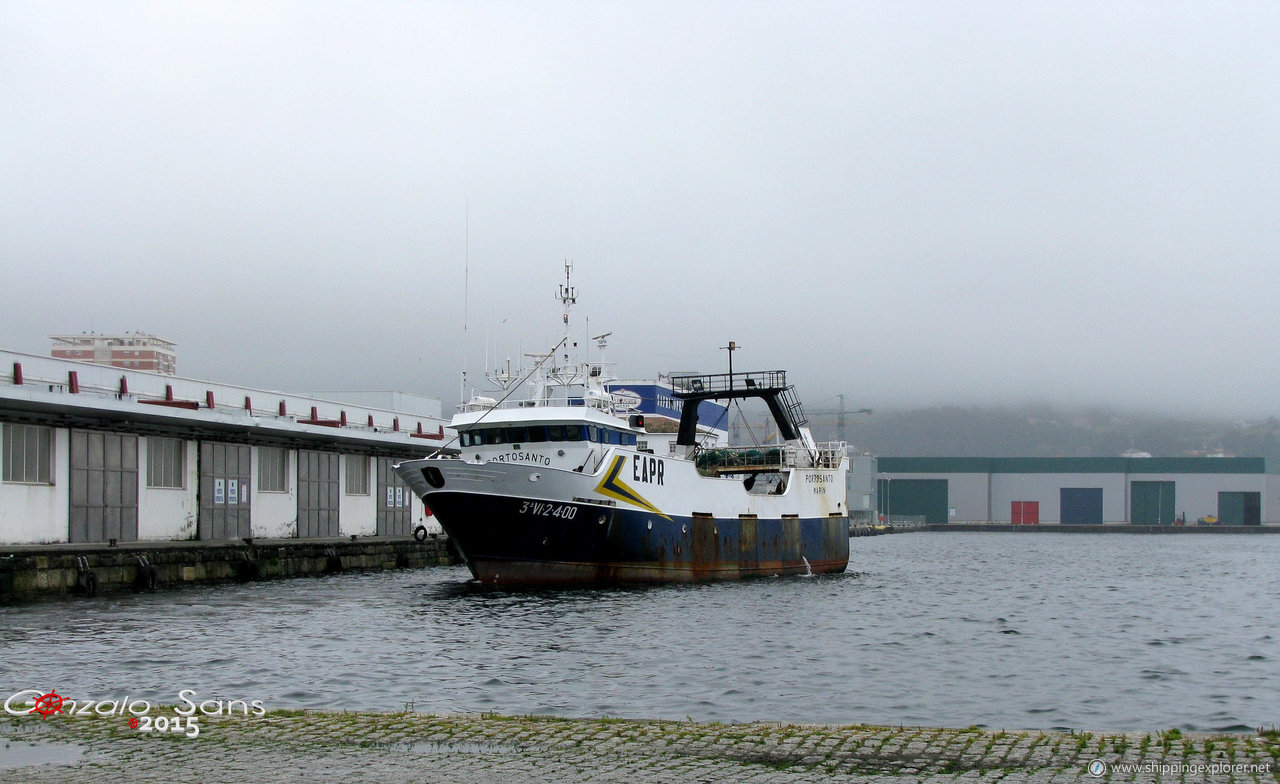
<point>275,514</point>
<point>967,495</point>
<point>1046,489</point>
<point>356,513</point>
<point>38,514</point>
<point>1196,495</point>
<point>166,512</point>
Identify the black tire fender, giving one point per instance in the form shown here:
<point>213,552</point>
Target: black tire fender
<point>247,571</point>
<point>148,578</point>
<point>87,583</point>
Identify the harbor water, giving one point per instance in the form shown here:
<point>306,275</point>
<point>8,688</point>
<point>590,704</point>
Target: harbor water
<point>949,629</point>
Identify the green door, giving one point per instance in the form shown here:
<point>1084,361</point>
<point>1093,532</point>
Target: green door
<point>926,498</point>
<point>1151,503</point>
<point>1239,508</point>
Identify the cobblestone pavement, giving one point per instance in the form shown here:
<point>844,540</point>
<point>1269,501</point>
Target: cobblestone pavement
<point>388,748</point>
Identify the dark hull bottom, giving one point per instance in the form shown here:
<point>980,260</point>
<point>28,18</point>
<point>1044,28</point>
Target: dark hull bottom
<point>524,541</point>
<point>542,573</point>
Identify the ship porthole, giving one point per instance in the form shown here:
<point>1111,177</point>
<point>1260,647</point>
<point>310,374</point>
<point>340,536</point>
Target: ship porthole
<point>684,529</point>
<point>560,452</point>
<point>650,526</point>
<point>534,477</point>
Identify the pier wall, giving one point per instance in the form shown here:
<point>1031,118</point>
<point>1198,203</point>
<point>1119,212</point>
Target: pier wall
<point>51,571</point>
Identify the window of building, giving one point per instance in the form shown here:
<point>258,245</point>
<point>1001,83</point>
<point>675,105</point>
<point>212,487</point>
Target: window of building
<point>273,469</point>
<point>166,462</point>
<point>357,474</point>
<point>28,454</point>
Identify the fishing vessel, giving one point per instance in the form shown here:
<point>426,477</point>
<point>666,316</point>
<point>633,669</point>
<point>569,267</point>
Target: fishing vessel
<point>567,484</point>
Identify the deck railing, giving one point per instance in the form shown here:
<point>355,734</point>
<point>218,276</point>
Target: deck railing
<point>754,459</point>
<point>723,382</point>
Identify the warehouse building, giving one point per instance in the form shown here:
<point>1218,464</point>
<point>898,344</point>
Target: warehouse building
<point>94,454</point>
<point>1088,491</point>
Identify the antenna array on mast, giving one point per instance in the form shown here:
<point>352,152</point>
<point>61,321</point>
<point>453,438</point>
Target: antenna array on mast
<point>567,294</point>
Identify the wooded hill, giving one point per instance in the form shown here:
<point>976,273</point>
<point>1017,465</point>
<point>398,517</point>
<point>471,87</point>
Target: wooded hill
<point>1044,431</point>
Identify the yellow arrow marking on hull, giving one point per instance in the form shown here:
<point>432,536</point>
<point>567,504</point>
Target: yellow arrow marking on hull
<point>616,489</point>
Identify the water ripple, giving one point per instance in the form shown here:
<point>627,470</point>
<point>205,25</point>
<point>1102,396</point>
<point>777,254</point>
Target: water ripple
<point>1051,631</point>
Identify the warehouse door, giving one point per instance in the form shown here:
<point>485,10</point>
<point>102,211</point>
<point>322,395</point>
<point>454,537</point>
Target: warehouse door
<point>103,487</point>
<point>1081,505</point>
<point>912,498</point>
<point>317,494</point>
<point>224,491</point>
<point>1151,503</point>
<point>1236,508</point>
<point>1024,512</point>
<point>394,516</point>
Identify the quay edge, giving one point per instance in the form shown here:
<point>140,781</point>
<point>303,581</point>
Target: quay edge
<point>1126,528</point>
<point>30,572</point>
<point>388,748</point>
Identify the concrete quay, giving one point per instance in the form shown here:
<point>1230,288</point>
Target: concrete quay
<point>59,570</point>
<point>387,748</point>
<point>1108,528</point>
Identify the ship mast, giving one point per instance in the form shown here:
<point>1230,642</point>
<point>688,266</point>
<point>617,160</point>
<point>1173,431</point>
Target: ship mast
<point>564,371</point>
<point>568,296</point>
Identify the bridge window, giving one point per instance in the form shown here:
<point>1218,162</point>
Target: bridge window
<point>535,434</point>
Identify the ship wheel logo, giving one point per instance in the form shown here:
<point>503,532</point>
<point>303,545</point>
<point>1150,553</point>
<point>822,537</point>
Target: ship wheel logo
<point>48,704</point>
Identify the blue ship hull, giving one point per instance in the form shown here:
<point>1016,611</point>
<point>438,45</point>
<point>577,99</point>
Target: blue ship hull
<point>523,540</point>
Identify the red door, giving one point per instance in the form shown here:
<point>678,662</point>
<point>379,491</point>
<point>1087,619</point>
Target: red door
<point>1025,513</point>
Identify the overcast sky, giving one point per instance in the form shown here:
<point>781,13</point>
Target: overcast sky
<point>907,203</point>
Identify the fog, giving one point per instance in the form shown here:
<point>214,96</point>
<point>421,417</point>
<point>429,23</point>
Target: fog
<point>903,203</point>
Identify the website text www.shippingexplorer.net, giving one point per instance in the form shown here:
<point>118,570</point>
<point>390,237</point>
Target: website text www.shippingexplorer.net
<point>1100,768</point>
